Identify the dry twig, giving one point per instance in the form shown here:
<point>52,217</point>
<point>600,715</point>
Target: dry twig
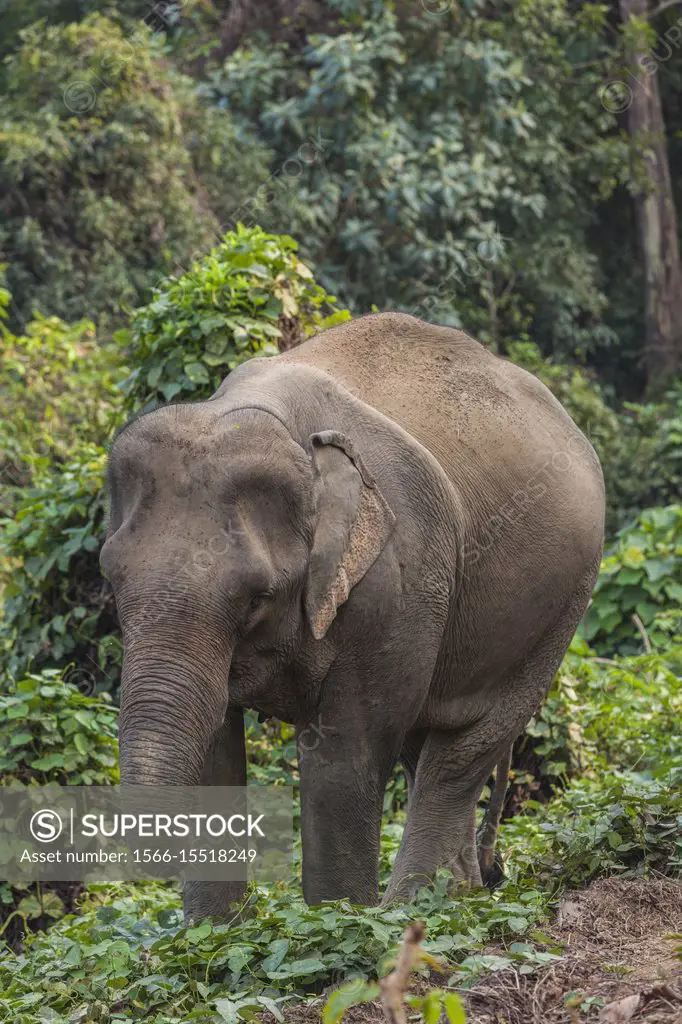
<point>642,632</point>
<point>395,985</point>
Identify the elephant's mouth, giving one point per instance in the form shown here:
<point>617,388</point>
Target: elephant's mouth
<point>262,695</point>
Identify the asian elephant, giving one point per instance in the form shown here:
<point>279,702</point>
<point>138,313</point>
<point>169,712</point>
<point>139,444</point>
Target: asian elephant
<point>387,537</point>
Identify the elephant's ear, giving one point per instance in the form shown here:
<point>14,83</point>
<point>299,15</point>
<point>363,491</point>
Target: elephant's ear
<point>354,521</point>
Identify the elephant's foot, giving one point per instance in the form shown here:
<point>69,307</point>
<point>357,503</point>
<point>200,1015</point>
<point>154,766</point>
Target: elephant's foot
<point>462,865</point>
<point>464,868</point>
<point>221,901</point>
<point>491,866</point>
<point>405,889</point>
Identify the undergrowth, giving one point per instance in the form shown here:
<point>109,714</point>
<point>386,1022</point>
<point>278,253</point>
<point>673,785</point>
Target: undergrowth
<point>126,954</point>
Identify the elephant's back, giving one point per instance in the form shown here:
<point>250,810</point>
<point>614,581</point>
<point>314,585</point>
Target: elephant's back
<point>494,428</point>
<point>407,369</point>
<point>447,390</point>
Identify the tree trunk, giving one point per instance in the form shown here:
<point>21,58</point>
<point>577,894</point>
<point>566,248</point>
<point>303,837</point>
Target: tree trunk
<point>654,209</point>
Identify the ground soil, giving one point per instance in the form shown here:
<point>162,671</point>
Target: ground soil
<point>615,946</point>
<point>613,937</point>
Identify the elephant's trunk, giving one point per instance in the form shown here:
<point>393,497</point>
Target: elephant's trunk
<point>171,706</point>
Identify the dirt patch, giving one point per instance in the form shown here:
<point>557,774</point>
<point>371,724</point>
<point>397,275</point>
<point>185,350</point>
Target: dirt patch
<point>614,947</point>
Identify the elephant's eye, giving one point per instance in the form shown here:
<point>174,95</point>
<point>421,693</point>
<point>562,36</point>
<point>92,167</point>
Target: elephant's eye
<point>253,613</point>
<point>256,604</point>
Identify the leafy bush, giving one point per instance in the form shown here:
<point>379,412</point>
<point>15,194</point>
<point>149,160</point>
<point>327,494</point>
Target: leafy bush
<point>58,390</point>
<point>652,457</point>
<point>610,731</point>
<point>475,212</point>
<point>109,164</point>
<point>127,948</point>
<point>251,296</point>
<point>603,712</point>
<point>59,401</point>
<point>625,823</point>
<point>57,607</point>
<point>52,733</point>
<point>640,575</point>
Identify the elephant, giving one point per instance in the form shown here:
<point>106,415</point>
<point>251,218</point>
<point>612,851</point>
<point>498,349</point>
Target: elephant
<point>387,537</point>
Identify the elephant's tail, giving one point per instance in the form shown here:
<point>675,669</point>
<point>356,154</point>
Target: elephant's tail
<point>491,821</point>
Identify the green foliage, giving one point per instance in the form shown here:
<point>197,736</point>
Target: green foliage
<point>249,297</point>
<point>59,401</point>
<point>57,607</point>
<point>127,947</point>
<point>19,14</point>
<point>51,733</point>
<point>625,823</point>
<point>452,180</point>
<point>352,993</point>
<point>58,390</point>
<point>109,163</point>
<point>651,470</point>
<point>602,712</point>
<point>436,1003</point>
<point>612,728</point>
<point>271,751</point>
<point>641,573</point>
<point>430,1007</point>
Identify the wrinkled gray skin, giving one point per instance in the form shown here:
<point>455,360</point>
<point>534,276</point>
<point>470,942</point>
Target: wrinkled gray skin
<point>387,537</point>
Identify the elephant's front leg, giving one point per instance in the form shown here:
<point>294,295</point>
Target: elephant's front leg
<point>343,772</point>
<point>225,765</point>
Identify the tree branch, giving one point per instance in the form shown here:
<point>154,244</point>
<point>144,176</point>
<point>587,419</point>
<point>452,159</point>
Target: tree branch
<point>642,632</point>
<point>662,7</point>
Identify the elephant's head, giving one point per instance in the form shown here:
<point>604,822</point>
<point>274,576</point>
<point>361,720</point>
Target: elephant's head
<point>228,544</point>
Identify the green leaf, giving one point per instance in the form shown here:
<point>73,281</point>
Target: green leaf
<point>201,932</point>
<point>20,738</point>
<point>454,1008</point>
<point>49,761</point>
<point>31,907</point>
<point>197,373</point>
<point>170,390</point>
<point>80,742</point>
<point>227,1009</point>
<point>278,951</point>
<point>658,568</point>
<point>298,969</point>
<point>349,994</point>
<point>431,1008</point>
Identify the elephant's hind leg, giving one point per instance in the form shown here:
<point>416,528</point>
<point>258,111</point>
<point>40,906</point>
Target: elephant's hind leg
<point>409,756</point>
<point>441,823</point>
<point>454,765</point>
